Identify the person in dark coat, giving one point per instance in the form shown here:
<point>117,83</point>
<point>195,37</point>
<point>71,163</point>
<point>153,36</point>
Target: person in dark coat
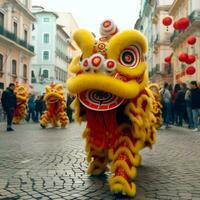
<point>180,105</point>
<point>195,104</point>
<point>69,110</point>
<point>39,107</point>
<point>9,103</point>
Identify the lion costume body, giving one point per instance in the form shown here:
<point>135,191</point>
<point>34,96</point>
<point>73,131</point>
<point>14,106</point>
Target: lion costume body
<point>55,107</point>
<point>21,92</point>
<point>112,95</point>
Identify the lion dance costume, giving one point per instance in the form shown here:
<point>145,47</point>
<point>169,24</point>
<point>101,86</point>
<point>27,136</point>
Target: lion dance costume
<point>55,107</point>
<point>112,95</point>
<point>21,92</point>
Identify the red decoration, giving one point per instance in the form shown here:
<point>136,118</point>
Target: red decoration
<point>191,40</point>
<point>190,70</point>
<point>175,25</point>
<point>168,59</point>
<point>191,58</point>
<point>182,23</point>
<point>167,21</point>
<point>183,57</point>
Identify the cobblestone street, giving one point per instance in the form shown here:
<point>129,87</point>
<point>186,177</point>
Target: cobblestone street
<point>50,164</point>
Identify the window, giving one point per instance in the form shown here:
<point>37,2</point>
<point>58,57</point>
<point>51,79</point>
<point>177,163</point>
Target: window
<point>33,79</point>
<point>32,74</point>
<point>15,28</point>
<point>1,62</point>
<point>45,55</point>
<point>56,72</point>
<point>45,73</point>
<point>26,36</point>
<point>26,3</point>
<point>25,71</point>
<point>46,19</point>
<point>14,67</point>
<point>1,19</point>
<point>46,38</point>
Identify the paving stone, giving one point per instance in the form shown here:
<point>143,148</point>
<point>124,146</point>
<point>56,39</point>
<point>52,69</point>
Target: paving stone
<point>51,164</point>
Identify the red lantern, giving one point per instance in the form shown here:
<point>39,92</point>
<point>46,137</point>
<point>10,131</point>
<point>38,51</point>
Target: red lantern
<point>190,70</point>
<point>167,21</point>
<point>168,59</point>
<point>183,23</point>
<point>183,57</point>
<point>191,40</point>
<point>175,25</point>
<point>191,58</point>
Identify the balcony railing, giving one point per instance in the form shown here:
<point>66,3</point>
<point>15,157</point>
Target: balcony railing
<point>194,16</point>
<point>175,34</point>
<point>14,38</point>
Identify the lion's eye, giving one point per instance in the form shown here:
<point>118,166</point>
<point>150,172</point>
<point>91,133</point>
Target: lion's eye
<point>130,56</point>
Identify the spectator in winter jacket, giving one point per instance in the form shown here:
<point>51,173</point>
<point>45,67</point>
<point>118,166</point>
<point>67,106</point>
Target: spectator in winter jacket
<point>195,104</point>
<point>9,103</point>
<point>166,102</point>
<point>180,104</point>
<point>31,108</point>
<point>39,107</point>
<point>189,108</point>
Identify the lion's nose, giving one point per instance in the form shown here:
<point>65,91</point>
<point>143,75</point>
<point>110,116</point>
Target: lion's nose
<point>110,66</point>
<point>97,61</point>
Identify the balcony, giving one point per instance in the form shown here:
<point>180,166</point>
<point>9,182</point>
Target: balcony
<point>195,16</point>
<point>14,38</point>
<point>182,34</point>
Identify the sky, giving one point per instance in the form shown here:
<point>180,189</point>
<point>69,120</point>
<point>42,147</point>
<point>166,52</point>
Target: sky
<point>90,13</point>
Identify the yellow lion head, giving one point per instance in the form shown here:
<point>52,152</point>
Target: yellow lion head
<point>54,93</point>
<point>21,92</point>
<point>111,67</point>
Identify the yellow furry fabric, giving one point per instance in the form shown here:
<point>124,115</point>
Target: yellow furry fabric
<point>21,92</point>
<point>129,82</point>
<point>55,104</point>
<point>120,184</point>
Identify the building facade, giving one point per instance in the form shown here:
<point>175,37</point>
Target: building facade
<point>52,46</point>
<point>190,9</point>
<point>15,37</point>
<point>150,24</point>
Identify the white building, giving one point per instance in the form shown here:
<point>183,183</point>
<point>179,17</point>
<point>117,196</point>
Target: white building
<point>51,39</point>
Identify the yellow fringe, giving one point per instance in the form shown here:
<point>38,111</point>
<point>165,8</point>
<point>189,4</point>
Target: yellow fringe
<point>120,163</point>
<point>120,184</point>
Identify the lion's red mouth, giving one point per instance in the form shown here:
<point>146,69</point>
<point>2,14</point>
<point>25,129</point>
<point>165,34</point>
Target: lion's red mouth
<point>52,99</point>
<point>99,100</point>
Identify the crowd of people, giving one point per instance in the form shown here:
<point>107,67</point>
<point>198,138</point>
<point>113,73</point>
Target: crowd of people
<point>35,106</point>
<point>181,105</point>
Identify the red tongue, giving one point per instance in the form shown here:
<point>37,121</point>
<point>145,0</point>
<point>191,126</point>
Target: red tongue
<point>103,126</point>
<point>53,108</point>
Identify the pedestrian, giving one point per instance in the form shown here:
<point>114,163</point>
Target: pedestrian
<point>195,104</point>
<point>38,108</point>
<point>189,108</point>
<point>9,103</point>
<point>166,102</point>
<point>31,108</point>
<point>174,109</point>
<point>69,110</point>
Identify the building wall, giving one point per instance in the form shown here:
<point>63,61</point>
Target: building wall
<point>179,42</point>
<point>10,48</point>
